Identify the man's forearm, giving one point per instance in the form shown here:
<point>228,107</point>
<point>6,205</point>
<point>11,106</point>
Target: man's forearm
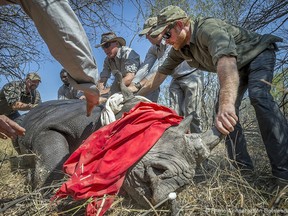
<point>152,84</point>
<point>128,79</point>
<point>22,106</point>
<point>228,79</point>
<point>101,83</point>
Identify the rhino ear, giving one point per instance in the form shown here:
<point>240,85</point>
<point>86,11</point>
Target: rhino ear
<point>184,125</point>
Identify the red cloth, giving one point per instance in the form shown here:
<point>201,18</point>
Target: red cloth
<point>99,165</point>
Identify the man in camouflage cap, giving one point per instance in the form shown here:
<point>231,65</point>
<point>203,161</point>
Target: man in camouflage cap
<point>241,59</point>
<point>20,95</point>
<point>185,91</point>
<point>148,25</point>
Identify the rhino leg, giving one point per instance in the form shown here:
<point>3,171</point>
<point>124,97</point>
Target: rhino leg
<point>52,149</point>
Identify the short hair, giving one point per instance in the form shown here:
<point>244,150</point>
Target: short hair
<point>63,71</point>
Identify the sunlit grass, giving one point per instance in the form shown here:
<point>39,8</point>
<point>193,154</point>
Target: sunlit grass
<point>218,189</point>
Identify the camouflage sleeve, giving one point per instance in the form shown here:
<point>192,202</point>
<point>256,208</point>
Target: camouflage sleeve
<point>217,39</point>
<point>37,98</point>
<point>12,92</point>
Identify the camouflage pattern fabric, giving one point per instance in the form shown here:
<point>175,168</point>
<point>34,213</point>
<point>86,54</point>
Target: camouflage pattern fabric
<point>16,91</point>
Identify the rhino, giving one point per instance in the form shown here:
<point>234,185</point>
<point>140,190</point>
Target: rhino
<point>55,129</point>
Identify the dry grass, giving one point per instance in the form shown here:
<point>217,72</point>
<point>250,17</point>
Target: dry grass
<point>218,189</point>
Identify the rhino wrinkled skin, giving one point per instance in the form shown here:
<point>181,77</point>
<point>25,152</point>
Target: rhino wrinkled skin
<point>170,165</point>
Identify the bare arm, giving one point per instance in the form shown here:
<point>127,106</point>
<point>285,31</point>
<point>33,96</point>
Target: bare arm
<point>22,106</point>
<point>229,81</point>
<point>152,84</point>
<point>9,128</point>
<point>102,83</point>
<point>128,79</point>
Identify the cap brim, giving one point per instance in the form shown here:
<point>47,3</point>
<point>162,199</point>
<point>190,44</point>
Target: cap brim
<point>158,30</point>
<point>121,40</point>
<point>144,31</point>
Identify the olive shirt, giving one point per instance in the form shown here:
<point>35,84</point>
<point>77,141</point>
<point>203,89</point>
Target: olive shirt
<point>212,39</point>
<point>13,92</point>
<point>155,57</point>
<point>126,61</point>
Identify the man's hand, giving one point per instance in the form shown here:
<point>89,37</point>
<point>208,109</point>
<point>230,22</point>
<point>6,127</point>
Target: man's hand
<point>32,105</point>
<point>82,97</point>
<point>91,93</point>
<point>9,128</point>
<point>133,88</point>
<point>226,119</point>
<point>104,91</point>
<point>92,100</point>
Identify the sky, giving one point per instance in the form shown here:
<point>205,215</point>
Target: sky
<point>49,69</point>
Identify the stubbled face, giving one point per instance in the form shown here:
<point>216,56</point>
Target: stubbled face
<point>178,37</point>
<point>31,84</point>
<point>64,78</point>
<point>111,49</point>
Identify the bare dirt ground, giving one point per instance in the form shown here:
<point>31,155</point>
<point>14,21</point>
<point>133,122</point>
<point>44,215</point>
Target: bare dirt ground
<point>218,189</point>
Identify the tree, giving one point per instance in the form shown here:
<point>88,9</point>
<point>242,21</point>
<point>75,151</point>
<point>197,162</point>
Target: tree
<point>18,40</point>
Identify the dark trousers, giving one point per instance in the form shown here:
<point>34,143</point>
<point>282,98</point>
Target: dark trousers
<point>272,123</point>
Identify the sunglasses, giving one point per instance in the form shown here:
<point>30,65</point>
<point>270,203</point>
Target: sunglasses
<point>107,45</point>
<point>167,34</point>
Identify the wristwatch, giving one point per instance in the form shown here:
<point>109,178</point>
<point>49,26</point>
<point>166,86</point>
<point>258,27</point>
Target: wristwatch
<point>138,85</point>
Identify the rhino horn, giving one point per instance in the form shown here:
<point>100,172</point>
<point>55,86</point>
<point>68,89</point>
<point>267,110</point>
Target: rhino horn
<point>184,125</point>
<point>212,137</point>
<point>119,86</point>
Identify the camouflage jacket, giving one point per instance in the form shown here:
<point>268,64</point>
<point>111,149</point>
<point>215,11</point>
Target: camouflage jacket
<point>13,92</point>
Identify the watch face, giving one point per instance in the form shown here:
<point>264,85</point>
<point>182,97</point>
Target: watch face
<point>138,85</point>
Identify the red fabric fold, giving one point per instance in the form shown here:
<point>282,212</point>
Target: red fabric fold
<point>98,167</point>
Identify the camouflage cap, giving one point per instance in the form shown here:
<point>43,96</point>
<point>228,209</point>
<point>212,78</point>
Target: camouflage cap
<point>168,15</point>
<point>148,25</point>
<point>33,76</point>
<point>109,37</point>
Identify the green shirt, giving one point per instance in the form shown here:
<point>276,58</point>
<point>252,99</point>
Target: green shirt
<point>13,92</point>
<point>213,38</point>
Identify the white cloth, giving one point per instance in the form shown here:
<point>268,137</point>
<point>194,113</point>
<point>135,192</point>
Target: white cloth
<point>113,106</point>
